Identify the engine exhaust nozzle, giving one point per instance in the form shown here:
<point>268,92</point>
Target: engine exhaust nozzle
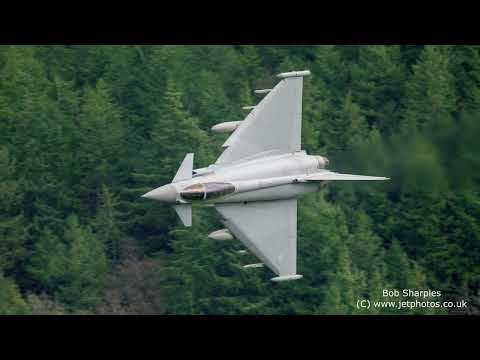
<point>322,161</point>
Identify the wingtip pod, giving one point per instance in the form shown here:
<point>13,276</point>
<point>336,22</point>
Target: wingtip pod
<point>294,74</point>
<point>287,278</point>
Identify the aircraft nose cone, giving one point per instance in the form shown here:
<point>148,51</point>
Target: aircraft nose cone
<point>166,193</point>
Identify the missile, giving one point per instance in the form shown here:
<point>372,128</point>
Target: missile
<point>262,91</point>
<point>253,266</point>
<point>294,74</point>
<point>248,107</point>
<point>242,252</point>
<point>226,127</point>
<point>251,185</point>
<point>286,278</point>
<point>221,235</point>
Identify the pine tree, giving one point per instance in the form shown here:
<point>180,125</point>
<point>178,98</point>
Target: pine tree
<point>106,224</point>
<point>86,267</point>
<point>207,98</point>
<point>174,123</point>
<point>465,67</point>
<point>399,268</point>
<point>377,85</point>
<point>47,266</point>
<point>13,229</point>
<point>251,63</point>
<point>430,94</point>
<point>344,285</point>
<point>99,142</point>
<point>11,301</point>
<point>347,127</point>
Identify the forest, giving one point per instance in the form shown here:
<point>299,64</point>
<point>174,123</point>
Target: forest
<point>86,130</point>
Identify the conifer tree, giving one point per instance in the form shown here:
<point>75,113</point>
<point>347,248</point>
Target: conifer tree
<point>377,85</point>
<point>98,142</point>
<point>106,224</point>
<point>86,266</point>
<point>11,301</point>
<point>47,265</point>
<point>348,126</point>
<point>13,229</point>
<point>430,94</point>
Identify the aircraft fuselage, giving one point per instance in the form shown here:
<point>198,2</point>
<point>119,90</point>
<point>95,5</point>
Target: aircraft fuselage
<point>273,177</point>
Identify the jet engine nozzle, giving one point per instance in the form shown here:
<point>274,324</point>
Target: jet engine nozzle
<point>322,162</point>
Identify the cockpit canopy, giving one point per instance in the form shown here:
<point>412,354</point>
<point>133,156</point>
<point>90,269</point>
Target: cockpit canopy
<point>207,191</point>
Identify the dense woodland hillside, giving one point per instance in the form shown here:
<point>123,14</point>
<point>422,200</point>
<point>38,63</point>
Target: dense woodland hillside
<point>86,130</point>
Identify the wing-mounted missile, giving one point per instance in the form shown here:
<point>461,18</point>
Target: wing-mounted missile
<point>287,278</point>
<point>253,266</point>
<point>262,91</point>
<point>242,252</point>
<point>226,127</point>
<point>221,235</point>
<point>326,175</point>
<point>248,107</point>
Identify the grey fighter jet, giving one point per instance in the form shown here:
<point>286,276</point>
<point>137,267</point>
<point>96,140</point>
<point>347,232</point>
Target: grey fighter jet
<point>256,182</point>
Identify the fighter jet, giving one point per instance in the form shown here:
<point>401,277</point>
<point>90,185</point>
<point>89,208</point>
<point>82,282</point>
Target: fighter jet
<point>255,183</point>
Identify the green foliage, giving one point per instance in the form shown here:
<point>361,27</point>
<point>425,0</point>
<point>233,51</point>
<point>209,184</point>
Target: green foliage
<point>430,94</point>
<point>106,224</point>
<point>72,270</point>
<point>13,234</point>
<point>11,301</point>
<point>85,130</point>
<point>48,262</point>
<point>86,266</point>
